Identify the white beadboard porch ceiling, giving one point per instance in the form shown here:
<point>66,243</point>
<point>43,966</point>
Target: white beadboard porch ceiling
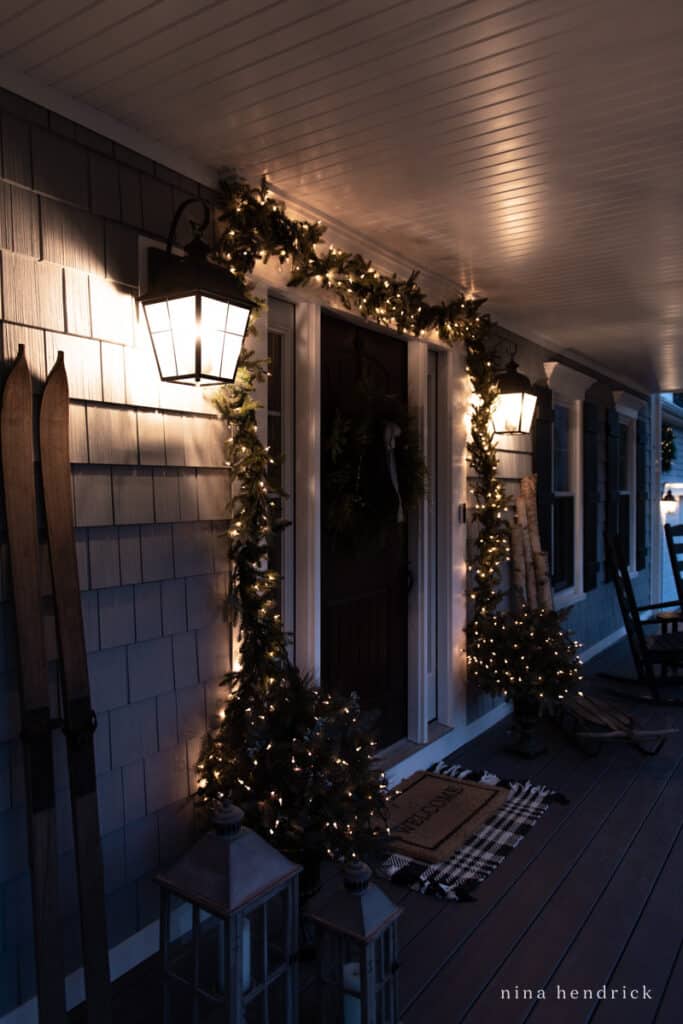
<point>528,149</point>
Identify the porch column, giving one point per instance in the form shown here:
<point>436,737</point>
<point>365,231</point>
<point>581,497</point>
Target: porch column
<point>307,488</point>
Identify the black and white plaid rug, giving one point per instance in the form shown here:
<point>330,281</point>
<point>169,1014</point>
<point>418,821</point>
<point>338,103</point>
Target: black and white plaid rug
<point>479,856</point>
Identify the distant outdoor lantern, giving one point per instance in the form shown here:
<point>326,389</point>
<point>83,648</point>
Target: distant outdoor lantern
<point>513,409</point>
<point>669,498</point>
<point>196,312</point>
<point>229,929</point>
<point>356,940</point>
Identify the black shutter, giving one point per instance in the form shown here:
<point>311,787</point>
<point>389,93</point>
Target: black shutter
<point>642,495</point>
<point>543,463</point>
<point>611,479</point>
<point>591,496</point>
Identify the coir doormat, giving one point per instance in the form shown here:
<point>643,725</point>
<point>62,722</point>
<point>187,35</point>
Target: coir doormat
<point>433,814</point>
<point>456,876</point>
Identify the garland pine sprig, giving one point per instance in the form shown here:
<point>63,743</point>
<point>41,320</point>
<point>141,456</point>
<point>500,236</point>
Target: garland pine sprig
<point>668,447</point>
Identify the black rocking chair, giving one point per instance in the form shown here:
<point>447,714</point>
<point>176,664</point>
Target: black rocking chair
<point>674,543</point>
<point>657,658</point>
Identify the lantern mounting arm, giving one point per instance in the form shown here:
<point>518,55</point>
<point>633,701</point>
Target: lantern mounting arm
<point>198,229</point>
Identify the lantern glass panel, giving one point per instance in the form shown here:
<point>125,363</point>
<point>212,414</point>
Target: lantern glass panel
<point>159,325</point>
<point>385,986</point>
<point>340,960</point>
<point>277,921</point>
<point>179,949</point>
<point>528,410</point>
<point>237,320</point>
<point>213,335</point>
<point>506,413</point>
<point>253,932</point>
<point>183,317</point>
<point>211,966</point>
<point>232,346</point>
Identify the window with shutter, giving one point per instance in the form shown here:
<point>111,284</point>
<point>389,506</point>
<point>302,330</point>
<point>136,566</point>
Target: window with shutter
<point>626,498</point>
<point>563,500</point>
<point>642,494</point>
<point>591,496</point>
<point>564,437</point>
<point>543,462</point>
<point>611,478</point>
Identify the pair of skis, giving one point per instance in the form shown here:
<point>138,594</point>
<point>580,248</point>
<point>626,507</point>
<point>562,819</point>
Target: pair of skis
<point>78,720</point>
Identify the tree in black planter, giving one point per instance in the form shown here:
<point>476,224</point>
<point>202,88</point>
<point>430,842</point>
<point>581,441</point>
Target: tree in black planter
<point>528,658</point>
<point>296,760</point>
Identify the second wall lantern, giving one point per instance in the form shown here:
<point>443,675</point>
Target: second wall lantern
<point>513,409</point>
<point>197,314</point>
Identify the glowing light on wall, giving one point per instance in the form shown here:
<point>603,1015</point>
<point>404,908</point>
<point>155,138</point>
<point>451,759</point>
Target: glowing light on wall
<point>513,410</point>
<point>197,313</point>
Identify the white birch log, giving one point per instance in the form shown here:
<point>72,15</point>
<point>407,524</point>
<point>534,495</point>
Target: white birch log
<point>530,571</point>
<point>519,595</point>
<point>528,491</point>
<point>543,584</point>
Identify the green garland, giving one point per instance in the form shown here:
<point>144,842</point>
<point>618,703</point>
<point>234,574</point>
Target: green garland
<point>668,447</point>
<point>255,226</point>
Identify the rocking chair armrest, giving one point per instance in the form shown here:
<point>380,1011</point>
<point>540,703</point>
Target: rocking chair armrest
<point>661,604</point>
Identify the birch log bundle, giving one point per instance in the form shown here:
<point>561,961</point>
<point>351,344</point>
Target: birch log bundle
<point>531,584</point>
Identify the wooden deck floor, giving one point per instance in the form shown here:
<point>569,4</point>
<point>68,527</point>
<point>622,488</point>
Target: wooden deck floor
<point>592,897</point>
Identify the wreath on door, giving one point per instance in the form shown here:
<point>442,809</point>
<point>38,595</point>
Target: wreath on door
<point>375,472</point>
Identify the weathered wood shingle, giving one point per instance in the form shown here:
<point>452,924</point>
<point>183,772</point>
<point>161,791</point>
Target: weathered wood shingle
<point>72,237</point>
<point>60,168</point>
<point>32,292</point>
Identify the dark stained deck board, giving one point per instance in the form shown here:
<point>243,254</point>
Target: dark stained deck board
<point>669,1006</point>
<point>599,946</point>
<point>580,929</point>
<point>642,957</point>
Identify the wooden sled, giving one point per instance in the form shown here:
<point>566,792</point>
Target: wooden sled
<point>590,721</point>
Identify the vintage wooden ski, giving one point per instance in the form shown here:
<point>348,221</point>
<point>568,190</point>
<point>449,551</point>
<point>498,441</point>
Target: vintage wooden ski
<point>18,468</point>
<point>79,719</point>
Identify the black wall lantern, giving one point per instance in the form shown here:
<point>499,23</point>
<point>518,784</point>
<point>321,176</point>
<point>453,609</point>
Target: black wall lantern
<point>196,312</point>
<point>514,407</point>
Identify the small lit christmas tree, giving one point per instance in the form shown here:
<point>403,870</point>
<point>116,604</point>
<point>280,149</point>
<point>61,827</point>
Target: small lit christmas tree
<point>297,761</point>
<point>525,654</point>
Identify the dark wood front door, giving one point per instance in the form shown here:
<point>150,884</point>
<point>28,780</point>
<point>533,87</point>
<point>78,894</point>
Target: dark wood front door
<point>364,579</point>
